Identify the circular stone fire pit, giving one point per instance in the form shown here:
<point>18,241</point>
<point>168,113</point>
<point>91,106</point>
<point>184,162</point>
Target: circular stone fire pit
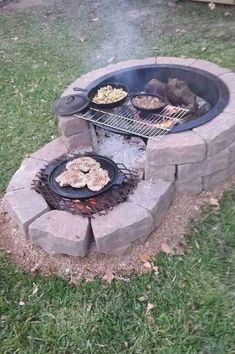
<point>189,161</point>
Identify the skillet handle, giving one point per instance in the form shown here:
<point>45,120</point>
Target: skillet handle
<point>119,179</point>
<point>80,89</point>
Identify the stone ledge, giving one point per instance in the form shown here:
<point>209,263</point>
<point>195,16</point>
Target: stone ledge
<point>192,187</point>
<point>230,108</point>
<point>53,150</point>
<point>217,177</point>
<point>229,80</point>
<point>24,206</point>
<point>210,67</point>
<point>218,133</point>
<point>155,197</point>
<point>71,125</point>
<point>82,140</point>
<point>175,60</point>
<point>59,232</point>
<point>166,173</point>
<point>189,172</point>
<point>23,177</point>
<point>176,149</point>
<point>124,224</point>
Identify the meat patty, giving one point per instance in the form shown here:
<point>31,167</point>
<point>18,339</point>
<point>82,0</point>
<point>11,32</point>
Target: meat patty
<point>74,179</point>
<point>97,179</point>
<point>83,164</point>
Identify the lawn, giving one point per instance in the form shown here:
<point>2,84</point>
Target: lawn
<point>42,50</point>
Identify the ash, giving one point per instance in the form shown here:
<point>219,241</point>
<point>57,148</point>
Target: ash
<point>129,151</point>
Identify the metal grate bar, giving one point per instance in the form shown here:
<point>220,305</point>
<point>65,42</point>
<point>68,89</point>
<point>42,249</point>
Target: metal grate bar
<point>128,120</point>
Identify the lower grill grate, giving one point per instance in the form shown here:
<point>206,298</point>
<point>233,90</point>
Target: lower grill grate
<point>100,204</point>
<point>126,119</point>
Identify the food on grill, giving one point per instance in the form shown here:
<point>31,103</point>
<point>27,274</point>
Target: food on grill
<point>165,124</point>
<point>109,94</point>
<point>74,179</point>
<point>97,178</point>
<point>171,110</point>
<point>147,102</point>
<point>83,164</point>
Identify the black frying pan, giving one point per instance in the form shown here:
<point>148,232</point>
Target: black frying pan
<point>79,193</point>
<point>92,92</point>
<point>147,110</point>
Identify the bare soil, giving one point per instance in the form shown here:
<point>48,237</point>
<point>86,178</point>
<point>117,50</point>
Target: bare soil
<point>171,235</point>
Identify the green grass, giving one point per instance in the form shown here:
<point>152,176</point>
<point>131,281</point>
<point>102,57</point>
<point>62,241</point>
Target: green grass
<point>194,298</point>
<point>41,52</point>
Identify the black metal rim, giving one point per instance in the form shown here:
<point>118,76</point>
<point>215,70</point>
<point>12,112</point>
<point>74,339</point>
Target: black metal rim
<point>81,193</point>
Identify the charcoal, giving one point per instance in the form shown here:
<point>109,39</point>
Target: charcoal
<point>156,87</point>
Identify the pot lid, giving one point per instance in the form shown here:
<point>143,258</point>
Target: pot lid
<point>70,104</point>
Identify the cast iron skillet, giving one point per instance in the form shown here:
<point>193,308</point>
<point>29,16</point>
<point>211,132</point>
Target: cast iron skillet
<point>92,92</point>
<point>146,110</point>
<point>79,193</point>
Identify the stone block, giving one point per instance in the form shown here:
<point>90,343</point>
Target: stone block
<point>219,133</point>
<point>192,187</point>
<point>210,67</point>
<point>175,60</point>
<point>232,152</point>
<point>229,80</point>
<point>23,177</point>
<point>53,150</point>
<point>122,225</point>
<point>155,197</point>
<point>71,125</point>
<point>174,149</point>
<point>230,108</point>
<point>59,232</point>
<point>93,137</point>
<point>24,206</point>
<point>231,169</point>
<point>189,172</point>
<point>82,140</point>
<point>167,173</point>
<point>215,178</point>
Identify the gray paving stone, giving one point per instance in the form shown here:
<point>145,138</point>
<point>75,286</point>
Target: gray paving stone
<point>124,224</point>
<point>176,149</point>
<point>210,67</point>
<point>24,206</point>
<point>23,177</point>
<point>229,80</point>
<point>175,60</point>
<point>219,133</point>
<point>59,232</point>
<point>136,62</point>
<point>189,172</point>
<point>155,197</point>
<point>81,140</point>
<point>167,173</point>
<point>71,125</point>
<point>230,108</point>
<point>215,178</point>
<point>192,187</point>
<point>232,152</point>
<point>53,150</point>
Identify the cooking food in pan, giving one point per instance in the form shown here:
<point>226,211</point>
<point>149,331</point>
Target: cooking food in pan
<point>74,175</point>
<point>147,102</point>
<point>83,164</point>
<point>109,94</point>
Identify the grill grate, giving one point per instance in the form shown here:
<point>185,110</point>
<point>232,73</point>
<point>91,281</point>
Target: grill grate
<point>127,119</point>
<point>100,204</point>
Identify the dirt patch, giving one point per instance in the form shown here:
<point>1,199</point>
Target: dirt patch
<point>170,236</point>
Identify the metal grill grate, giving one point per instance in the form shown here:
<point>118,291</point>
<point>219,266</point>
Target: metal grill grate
<point>127,119</point>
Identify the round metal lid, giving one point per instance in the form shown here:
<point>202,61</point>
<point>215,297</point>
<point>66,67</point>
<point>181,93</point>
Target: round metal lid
<point>71,104</point>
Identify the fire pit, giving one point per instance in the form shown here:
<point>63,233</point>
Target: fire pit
<point>192,154</point>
